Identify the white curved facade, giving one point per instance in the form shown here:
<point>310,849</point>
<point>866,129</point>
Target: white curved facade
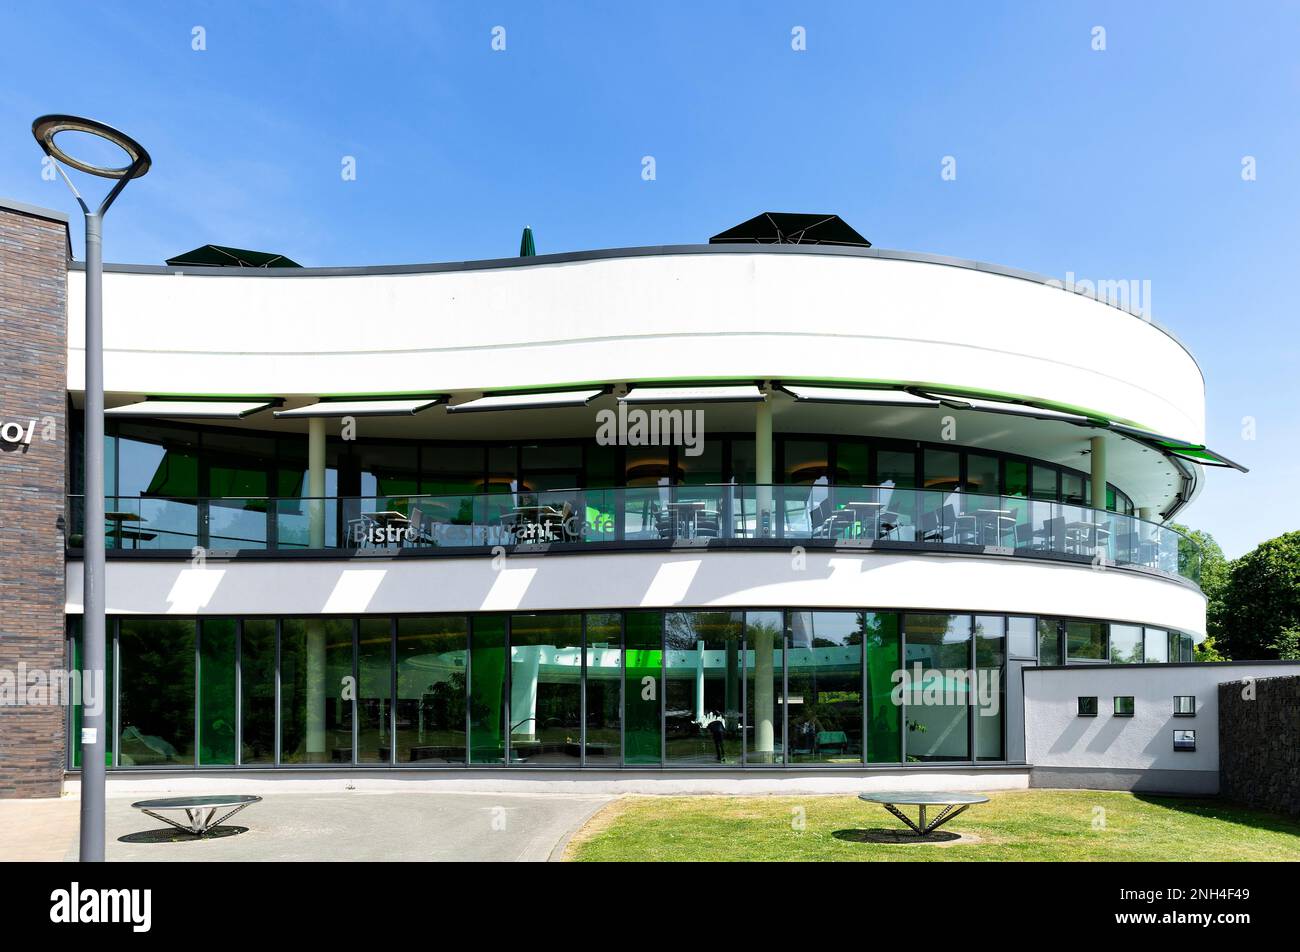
<point>705,580</point>
<point>643,316</point>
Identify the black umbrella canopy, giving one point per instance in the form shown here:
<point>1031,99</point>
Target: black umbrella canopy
<point>219,256</point>
<point>792,228</point>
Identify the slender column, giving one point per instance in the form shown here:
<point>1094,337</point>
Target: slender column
<point>94,721</point>
<point>763,467</point>
<point>764,697</point>
<point>699,681</point>
<point>316,481</point>
<point>1098,491</point>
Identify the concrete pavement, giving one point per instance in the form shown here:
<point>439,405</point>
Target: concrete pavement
<point>342,826</point>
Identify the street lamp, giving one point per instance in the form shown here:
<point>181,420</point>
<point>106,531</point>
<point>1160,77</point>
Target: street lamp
<point>94,722</point>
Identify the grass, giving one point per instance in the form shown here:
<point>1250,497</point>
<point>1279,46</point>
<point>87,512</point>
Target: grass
<point>1053,825</point>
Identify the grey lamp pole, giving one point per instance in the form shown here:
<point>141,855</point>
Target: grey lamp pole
<point>94,732</point>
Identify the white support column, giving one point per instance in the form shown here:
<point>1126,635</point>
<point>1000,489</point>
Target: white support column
<point>699,681</point>
<point>316,481</point>
<point>1098,493</point>
<point>763,466</point>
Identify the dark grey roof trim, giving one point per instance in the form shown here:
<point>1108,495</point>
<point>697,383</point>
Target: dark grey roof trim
<point>568,257</point>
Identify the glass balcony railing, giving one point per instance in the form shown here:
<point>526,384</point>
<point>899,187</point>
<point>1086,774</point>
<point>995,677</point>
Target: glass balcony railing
<point>678,514</point>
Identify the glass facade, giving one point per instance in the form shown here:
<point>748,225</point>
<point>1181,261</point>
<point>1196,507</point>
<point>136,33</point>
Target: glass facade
<point>701,689</point>
<point>172,486</point>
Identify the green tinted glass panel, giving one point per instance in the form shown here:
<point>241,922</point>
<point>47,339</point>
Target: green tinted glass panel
<point>1049,641</point>
<point>1045,483</point>
<point>982,474</point>
<point>315,717</point>
<point>604,666</point>
<point>1017,478</point>
<point>90,696</point>
<point>938,706</point>
<point>702,699</point>
<point>374,691</point>
<point>852,463</point>
<point>990,686</point>
<point>157,691</point>
<point>764,686</point>
<point>825,699</point>
<point>432,652</point>
<point>257,691</point>
<point>884,657</point>
<point>643,736</point>
<point>487,690</point>
<point>545,689</point>
<point>217,639</point>
<point>1085,640</point>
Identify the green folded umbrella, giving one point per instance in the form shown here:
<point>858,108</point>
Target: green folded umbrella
<point>526,247</point>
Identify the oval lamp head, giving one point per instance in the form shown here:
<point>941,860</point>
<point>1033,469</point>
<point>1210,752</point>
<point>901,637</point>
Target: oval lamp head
<point>47,127</point>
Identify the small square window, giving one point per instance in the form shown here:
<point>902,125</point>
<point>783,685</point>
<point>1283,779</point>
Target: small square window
<point>1087,707</point>
<point>1184,705</point>
<point>1124,706</point>
<point>1184,740</point>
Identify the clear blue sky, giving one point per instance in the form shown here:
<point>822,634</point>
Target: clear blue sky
<point>1117,164</point>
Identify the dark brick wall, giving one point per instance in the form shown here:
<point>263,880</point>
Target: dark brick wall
<point>33,385</point>
<point>1259,744</point>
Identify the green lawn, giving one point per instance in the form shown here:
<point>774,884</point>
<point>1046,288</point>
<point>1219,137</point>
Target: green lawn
<point>1071,825</point>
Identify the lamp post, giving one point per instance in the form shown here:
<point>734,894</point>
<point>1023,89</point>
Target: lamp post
<point>94,729</point>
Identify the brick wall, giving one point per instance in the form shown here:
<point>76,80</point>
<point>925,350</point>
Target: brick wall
<point>33,385</point>
<point>1259,744</point>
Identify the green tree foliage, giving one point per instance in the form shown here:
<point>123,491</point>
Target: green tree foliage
<point>1215,572</point>
<point>1287,644</point>
<point>1262,600</point>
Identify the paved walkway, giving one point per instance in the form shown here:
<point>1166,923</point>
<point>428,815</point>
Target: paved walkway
<point>356,825</point>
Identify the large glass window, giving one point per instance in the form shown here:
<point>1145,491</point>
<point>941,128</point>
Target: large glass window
<point>825,699</point>
<point>91,696</point>
<point>546,689</point>
<point>487,690</point>
<point>1085,640</point>
<point>315,716</point>
<point>374,690</point>
<point>764,687</point>
<point>156,692</point>
<point>990,686</point>
<point>643,645</point>
<point>1157,645</point>
<point>938,702</point>
<point>1126,644</point>
<point>217,642</point>
<point>1022,637</point>
<point>257,691</point>
<point>431,658</point>
<point>1049,641</point>
<point>603,660</point>
<point>884,715</point>
<point>702,688</point>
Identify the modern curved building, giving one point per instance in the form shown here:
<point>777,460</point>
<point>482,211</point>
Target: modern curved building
<point>725,507</point>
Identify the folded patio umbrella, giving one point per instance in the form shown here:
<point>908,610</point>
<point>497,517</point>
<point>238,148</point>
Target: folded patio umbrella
<point>219,256</point>
<point>792,228</point>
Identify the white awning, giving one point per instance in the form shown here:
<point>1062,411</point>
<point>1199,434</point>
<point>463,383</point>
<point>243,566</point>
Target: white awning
<point>527,401</point>
<point>193,409</point>
<point>745,393</point>
<point>355,408</point>
<point>857,395</point>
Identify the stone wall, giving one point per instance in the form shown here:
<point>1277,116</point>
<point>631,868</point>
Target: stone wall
<point>1259,743</point>
<point>33,387</point>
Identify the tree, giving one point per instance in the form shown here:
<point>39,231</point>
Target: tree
<point>1215,572</point>
<point>1262,599</point>
<point>1287,644</point>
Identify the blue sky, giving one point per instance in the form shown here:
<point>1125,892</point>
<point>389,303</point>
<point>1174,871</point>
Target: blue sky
<point>1124,163</point>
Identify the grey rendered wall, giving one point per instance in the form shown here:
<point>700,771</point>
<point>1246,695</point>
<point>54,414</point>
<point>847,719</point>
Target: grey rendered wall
<point>1129,753</point>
